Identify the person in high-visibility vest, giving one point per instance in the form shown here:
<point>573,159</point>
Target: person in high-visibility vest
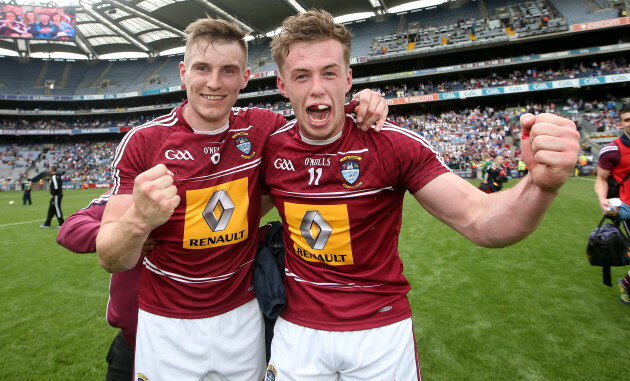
<point>582,161</point>
<point>521,167</point>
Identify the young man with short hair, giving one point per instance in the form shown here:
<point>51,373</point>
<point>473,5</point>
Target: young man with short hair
<point>340,195</point>
<point>614,160</point>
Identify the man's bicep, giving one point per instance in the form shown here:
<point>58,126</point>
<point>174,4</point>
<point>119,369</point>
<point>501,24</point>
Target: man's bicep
<point>603,173</point>
<point>451,199</point>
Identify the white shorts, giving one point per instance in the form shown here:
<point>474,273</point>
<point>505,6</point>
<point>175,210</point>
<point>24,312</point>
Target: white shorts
<point>381,354</point>
<point>230,346</point>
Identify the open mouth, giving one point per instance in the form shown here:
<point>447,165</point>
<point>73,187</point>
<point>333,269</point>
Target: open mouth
<point>318,114</point>
<point>213,97</point>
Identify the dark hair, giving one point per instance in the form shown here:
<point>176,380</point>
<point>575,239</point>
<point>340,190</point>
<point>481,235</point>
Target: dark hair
<point>625,109</point>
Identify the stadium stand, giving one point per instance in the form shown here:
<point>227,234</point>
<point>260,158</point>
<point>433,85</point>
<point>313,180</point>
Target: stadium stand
<point>365,31</point>
<point>91,74</point>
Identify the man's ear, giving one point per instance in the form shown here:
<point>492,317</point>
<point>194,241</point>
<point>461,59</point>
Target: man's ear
<point>182,72</point>
<point>349,79</point>
<point>281,87</point>
<point>246,76</point>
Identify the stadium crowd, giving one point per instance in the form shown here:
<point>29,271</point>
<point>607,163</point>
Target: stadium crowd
<point>505,78</point>
<point>78,163</point>
<point>467,138</point>
<point>81,162</point>
<point>497,78</point>
<point>54,123</point>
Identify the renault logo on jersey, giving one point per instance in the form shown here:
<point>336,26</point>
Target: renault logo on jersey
<point>320,233</point>
<point>218,211</point>
<point>212,219</point>
<point>315,230</point>
<point>284,164</point>
<point>178,155</point>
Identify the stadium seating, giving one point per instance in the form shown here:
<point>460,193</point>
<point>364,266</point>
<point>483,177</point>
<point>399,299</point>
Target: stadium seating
<point>576,11</point>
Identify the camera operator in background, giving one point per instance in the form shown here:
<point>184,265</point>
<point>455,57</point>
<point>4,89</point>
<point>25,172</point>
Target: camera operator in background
<point>613,170</point>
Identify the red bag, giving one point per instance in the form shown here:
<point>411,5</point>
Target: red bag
<point>485,187</point>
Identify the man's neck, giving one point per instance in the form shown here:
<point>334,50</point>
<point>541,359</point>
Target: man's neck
<point>317,142</point>
<point>199,125</point>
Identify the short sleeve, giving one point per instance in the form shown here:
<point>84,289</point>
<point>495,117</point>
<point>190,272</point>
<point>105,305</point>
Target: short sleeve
<point>129,162</point>
<point>609,157</point>
<point>412,161</point>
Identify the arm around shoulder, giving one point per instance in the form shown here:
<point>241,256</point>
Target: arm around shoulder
<point>78,232</point>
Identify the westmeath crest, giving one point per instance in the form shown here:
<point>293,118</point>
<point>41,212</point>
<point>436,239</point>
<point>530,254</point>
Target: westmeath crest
<point>350,169</point>
<point>244,145</point>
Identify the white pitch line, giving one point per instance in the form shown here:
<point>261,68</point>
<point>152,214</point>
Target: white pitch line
<point>19,223</point>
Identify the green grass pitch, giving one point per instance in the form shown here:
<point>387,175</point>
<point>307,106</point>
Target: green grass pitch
<point>532,311</point>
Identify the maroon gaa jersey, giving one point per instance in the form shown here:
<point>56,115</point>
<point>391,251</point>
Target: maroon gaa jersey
<point>341,204</point>
<point>203,260</point>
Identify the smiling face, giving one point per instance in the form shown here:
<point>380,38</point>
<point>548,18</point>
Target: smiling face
<point>315,79</point>
<point>213,75</point>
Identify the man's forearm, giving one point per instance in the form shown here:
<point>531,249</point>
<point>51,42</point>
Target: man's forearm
<point>515,213</point>
<point>601,188</point>
<point>119,243</point>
